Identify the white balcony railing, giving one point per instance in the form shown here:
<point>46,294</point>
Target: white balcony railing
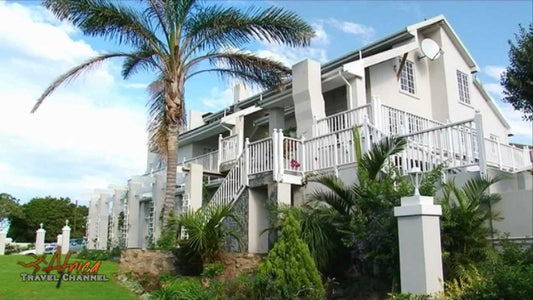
<point>229,148</point>
<point>340,121</point>
<point>260,157</point>
<point>208,161</point>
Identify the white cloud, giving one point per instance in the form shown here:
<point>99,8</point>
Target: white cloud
<point>217,99</point>
<point>495,89</point>
<point>135,85</point>
<point>520,128</point>
<point>495,72</point>
<point>321,36</point>
<point>80,139</point>
<point>364,32</point>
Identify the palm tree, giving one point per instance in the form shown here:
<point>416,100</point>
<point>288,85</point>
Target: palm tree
<point>206,230</point>
<point>466,211</point>
<point>177,40</point>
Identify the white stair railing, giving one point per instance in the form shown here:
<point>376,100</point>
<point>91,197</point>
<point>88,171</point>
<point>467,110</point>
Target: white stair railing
<point>395,121</point>
<point>457,145</point>
<point>234,183</point>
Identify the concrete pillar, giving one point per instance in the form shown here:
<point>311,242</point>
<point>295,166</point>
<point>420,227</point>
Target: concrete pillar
<point>103,222</point>
<point>65,245</point>
<point>280,193</point>
<point>118,194</point>
<point>307,96</point>
<point>239,93</point>
<point>276,119</point>
<point>420,249</point>
<point>39,240</point>
<point>158,196</point>
<point>194,186</point>
<point>59,239</point>
<point>257,221</point>
<point>133,215</point>
<point>2,242</point>
<point>92,222</point>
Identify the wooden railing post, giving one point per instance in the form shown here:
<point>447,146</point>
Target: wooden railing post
<point>275,149</point>
<point>281,161</point>
<point>366,133</point>
<point>220,151</point>
<point>246,162</point>
<point>500,162</point>
<point>481,144</point>
<point>303,163</point>
<point>376,112</point>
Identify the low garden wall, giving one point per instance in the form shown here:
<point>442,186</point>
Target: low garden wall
<point>145,266</point>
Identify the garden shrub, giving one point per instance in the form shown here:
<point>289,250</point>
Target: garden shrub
<point>187,289</point>
<point>253,285</point>
<point>213,270</point>
<point>291,265</point>
<point>93,254</point>
<point>168,238</point>
<point>188,261</point>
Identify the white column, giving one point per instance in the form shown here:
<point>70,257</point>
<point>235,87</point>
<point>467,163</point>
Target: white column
<point>65,245</point>
<point>59,239</point>
<point>307,95</point>
<point>39,240</point>
<point>194,186</point>
<point>2,242</point>
<point>481,144</point>
<point>420,248</point>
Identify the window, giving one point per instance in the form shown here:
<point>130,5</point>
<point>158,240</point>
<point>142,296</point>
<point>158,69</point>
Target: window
<point>464,92</point>
<point>407,80</point>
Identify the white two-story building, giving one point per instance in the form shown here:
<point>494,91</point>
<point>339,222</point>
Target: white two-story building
<point>419,83</point>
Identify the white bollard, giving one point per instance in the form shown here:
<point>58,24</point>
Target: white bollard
<point>2,242</point>
<point>39,241</point>
<point>59,239</point>
<point>420,248</point>
<point>65,246</point>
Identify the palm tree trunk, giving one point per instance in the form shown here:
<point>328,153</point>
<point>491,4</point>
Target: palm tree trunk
<point>174,114</point>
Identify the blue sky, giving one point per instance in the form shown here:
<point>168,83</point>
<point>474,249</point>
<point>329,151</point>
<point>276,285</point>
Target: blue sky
<point>92,133</point>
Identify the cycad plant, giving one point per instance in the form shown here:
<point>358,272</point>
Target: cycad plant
<point>177,40</point>
<point>206,231</point>
<point>467,217</point>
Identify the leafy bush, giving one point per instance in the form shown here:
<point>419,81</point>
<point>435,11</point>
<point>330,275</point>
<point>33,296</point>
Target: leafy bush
<point>213,270</point>
<point>506,274</point>
<point>291,265</point>
<point>253,285</point>
<point>14,249</point>
<point>186,289</point>
<point>409,296</point>
<point>93,254</point>
<point>188,262</point>
<point>168,238</point>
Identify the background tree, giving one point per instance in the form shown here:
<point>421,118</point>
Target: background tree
<point>9,207</point>
<point>179,39</point>
<point>52,212</point>
<point>518,78</point>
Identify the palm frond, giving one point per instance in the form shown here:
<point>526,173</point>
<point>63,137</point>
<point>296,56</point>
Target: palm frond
<point>247,67</point>
<point>144,59</point>
<point>157,121</point>
<point>216,27</point>
<point>73,74</point>
<point>111,20</point>
<point>373,161</point>
<point>337,194</point>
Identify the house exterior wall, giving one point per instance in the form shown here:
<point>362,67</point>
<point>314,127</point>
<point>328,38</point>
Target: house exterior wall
<point>454,61</point>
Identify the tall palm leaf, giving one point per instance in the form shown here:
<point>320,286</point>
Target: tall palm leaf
<point>178,40</point>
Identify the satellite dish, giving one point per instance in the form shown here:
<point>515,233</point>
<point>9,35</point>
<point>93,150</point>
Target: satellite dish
<point>430,49</point>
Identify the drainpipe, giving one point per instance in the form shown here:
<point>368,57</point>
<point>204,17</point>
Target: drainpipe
<point>349,90</point>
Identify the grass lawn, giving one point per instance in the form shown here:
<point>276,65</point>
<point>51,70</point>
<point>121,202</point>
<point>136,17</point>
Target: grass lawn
<point>12,286</point>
